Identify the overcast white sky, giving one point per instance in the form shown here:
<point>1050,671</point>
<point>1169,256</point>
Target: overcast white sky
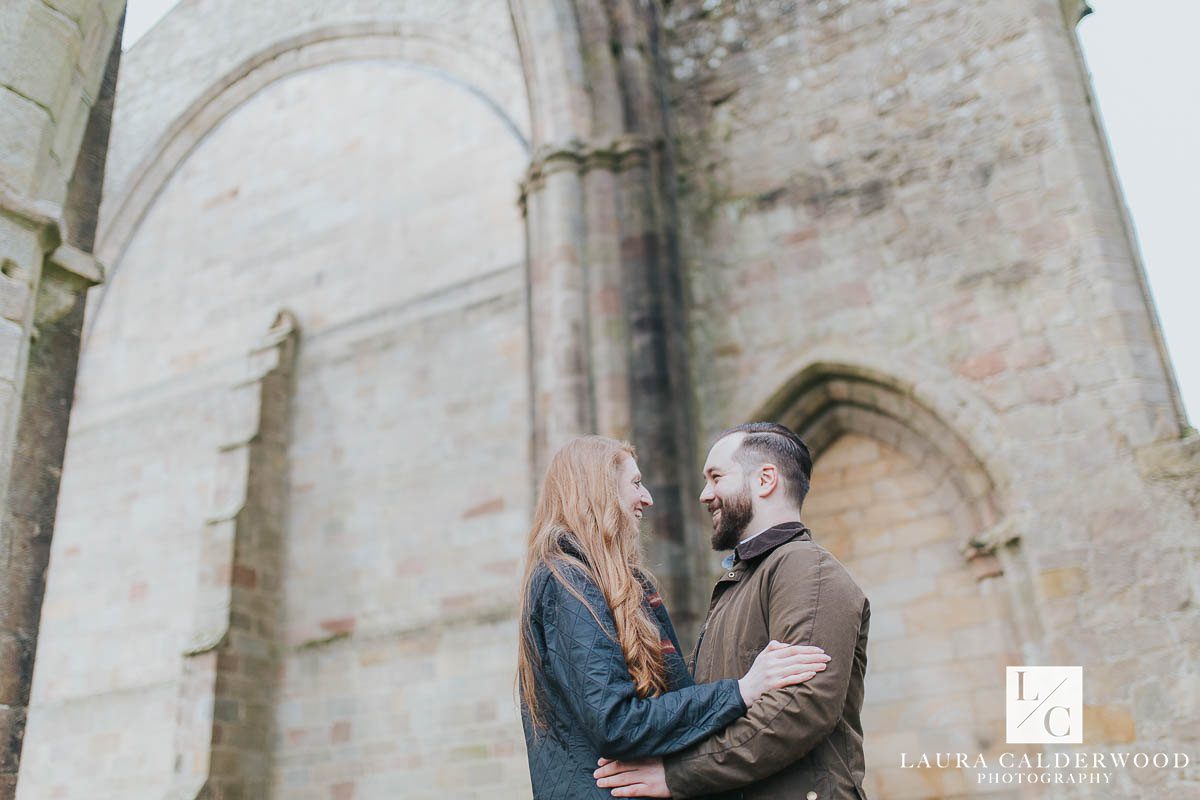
<point>1145,65</point>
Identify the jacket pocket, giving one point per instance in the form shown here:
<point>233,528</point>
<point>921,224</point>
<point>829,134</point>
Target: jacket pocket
<point>747,654</point>
<point>816,784</point>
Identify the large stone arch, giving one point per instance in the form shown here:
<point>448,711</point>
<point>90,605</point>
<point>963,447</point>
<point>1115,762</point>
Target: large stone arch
<point>373,327</point>
<point>483,74</point>
<point>902,498</point>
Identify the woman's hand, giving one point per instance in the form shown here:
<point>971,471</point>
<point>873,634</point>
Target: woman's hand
<point>779,665</point>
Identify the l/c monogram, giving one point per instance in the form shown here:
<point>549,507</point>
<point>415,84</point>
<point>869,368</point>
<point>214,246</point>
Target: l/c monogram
<point>1032,717</point>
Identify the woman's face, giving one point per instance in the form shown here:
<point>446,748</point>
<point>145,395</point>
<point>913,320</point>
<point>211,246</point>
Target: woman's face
<point>634,497</point>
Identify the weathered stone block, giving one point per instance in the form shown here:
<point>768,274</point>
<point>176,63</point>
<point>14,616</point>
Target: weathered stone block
<point>25,131</point>
<point>41,54</point>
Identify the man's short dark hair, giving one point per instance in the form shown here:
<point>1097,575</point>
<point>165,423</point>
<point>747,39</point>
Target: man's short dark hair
<point>779,445</point>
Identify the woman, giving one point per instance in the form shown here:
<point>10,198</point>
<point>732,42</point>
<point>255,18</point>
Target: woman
<point>599,666</point>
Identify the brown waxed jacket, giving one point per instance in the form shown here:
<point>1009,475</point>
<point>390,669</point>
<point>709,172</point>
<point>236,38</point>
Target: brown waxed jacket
<point>800,742</point>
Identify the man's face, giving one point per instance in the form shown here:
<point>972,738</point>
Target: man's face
<point>727,493</point>
<point>634,497</point>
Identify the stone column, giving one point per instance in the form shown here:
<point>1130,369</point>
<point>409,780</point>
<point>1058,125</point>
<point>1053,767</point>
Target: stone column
<point>607,355</point>
<point>608,338</point>
<point>58,63</point>
<point>560,378</point>
<point>580,273</point>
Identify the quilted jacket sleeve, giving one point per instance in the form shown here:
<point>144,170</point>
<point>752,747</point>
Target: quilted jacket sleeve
<point>585,664</point>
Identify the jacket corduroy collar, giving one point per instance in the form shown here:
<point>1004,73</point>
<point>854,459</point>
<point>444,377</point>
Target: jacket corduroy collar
<point>769,539</point>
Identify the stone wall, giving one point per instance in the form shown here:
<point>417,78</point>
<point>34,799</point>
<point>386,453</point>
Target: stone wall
<point>914,194</point>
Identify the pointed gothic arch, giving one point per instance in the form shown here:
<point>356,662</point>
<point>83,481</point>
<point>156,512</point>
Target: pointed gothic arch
<point>902,498</point>
<point>828,400</point>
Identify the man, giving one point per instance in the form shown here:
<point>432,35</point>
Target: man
<point>800,742</point>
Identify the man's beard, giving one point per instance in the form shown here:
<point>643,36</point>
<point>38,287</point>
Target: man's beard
<point>736,513</point>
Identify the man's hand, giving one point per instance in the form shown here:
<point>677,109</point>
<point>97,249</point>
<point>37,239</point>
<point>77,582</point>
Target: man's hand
<point>633,778</point>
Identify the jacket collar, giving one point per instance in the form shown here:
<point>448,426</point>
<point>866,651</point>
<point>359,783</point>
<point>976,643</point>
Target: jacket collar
<point>567,543</point>
<point>571,547</point>
<point>769,539</point>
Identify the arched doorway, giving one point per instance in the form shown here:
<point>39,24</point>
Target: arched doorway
<point>899,498</point>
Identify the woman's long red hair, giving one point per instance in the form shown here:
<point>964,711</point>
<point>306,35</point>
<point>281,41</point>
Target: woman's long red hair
<point>579,503</point>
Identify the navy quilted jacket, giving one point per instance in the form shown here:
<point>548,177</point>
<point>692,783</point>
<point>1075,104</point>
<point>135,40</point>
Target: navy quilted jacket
<point>590,705</point>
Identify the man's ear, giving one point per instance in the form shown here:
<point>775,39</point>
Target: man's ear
<point>768,480</point>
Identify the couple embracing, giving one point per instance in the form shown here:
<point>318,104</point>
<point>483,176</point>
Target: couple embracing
<point>769,705</point>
